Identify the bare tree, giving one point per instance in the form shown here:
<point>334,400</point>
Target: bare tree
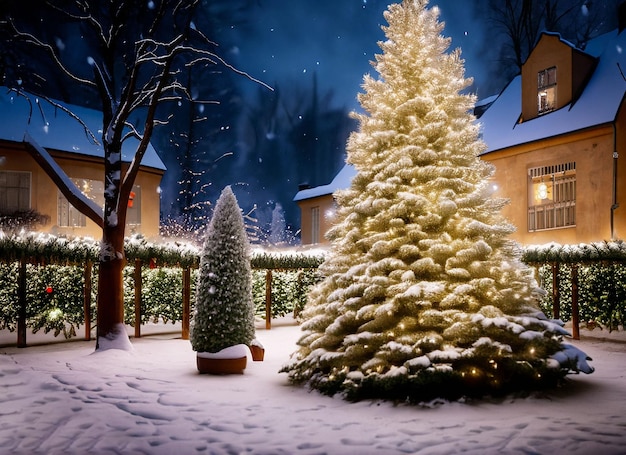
<point>519,23</point>
<point>136,53</point>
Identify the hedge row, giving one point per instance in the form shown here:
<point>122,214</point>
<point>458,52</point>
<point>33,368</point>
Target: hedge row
<point>55,292</point>
<point>54,295</point>
<point>41,248</point>
<point>601,292</point>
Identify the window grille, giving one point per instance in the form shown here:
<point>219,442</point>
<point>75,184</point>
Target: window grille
<point>315,225</point>
<point>552,196</point>
<point>546,90</point>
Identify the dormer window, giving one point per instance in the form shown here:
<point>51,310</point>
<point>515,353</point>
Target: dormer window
<point>546,90</point>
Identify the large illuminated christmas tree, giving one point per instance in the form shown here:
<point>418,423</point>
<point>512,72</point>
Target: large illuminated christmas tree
<point>424,295</point>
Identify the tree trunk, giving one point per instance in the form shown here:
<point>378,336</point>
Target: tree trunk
<point>111,284</point>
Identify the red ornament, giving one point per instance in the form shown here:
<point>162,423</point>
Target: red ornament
<point>153,263</point>
<point>49,290</point>
<point>131,199</point>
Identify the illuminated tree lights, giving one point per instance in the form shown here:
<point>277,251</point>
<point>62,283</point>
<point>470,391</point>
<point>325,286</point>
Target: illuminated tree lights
<point>424,295</point>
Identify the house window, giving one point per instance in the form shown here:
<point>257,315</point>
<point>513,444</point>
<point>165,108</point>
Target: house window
<point>546,90</point>
<point>315,225</point>
<point>14,191</point>
<point>67,214</point>
<point>552,196</point>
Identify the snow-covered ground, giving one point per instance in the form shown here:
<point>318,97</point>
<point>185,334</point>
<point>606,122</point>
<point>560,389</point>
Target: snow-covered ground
<point>66,399</point>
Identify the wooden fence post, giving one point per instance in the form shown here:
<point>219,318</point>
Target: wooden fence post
<point>268,299</point>
<point>556,296</point>
<point>575,315</point>
<point>87,299</point>
<point>186,302</point>
<point>137,298</point>
<point>21,315</point>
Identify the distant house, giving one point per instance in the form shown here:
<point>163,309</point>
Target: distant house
<point>25,187</point>
<point>317,207</point>
<point>557,137</point>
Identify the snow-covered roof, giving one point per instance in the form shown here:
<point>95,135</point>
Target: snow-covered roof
<point>54,129</point>
<point>598,104</point>
<point>341,181</point>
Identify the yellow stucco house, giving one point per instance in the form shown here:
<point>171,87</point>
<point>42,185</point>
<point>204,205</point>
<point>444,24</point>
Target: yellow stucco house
<point>317,207</point>
<point>557,137</point>
<point>24,186</point>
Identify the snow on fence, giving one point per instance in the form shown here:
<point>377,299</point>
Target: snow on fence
<point>592,273</point>
<point>45,249</point>
<point>562,269</point>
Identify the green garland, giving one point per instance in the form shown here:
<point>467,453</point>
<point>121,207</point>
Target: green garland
<point>602,281</point>
<point>607,251</point>
<point>41,248</point>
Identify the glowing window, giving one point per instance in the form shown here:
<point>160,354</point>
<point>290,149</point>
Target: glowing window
<point>552,196</point>
<point>67,214</point>
<point>546,90</point>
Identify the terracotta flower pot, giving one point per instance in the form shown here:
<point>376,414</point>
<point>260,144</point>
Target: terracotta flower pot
<point>258,352</point>
<point>221,366</point>
<point>231,360</point>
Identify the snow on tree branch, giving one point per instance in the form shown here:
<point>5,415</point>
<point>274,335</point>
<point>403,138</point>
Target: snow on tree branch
<point>65,185</point>
<point>30,38</point>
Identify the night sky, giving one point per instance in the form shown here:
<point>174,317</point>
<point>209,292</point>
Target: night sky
<point>269,151</point>
<point>287,44</point>
<point>337,39</point>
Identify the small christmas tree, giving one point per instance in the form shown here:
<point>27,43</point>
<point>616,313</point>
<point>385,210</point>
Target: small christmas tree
<point>224,311</point>
<point>424,295</point>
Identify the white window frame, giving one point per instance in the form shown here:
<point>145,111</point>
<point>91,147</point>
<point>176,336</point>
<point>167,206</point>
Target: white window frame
<point>20,192</point>
<point>546,90</point>
<point>315,224</point>
<point>552,197</point>
<point>69,216</point>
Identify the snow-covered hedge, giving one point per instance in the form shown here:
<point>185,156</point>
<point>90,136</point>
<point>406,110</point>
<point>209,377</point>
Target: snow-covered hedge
<point>602,279</point>
<point>601,268</point>
<point>55,285</point>
<point>608,251</point>
<point>42,248</point>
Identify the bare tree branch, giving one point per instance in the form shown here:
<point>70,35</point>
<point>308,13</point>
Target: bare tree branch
<point>29,38</point>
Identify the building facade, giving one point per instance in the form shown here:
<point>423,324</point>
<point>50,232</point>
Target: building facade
<point>25,187</point>
<point>557,138</point>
